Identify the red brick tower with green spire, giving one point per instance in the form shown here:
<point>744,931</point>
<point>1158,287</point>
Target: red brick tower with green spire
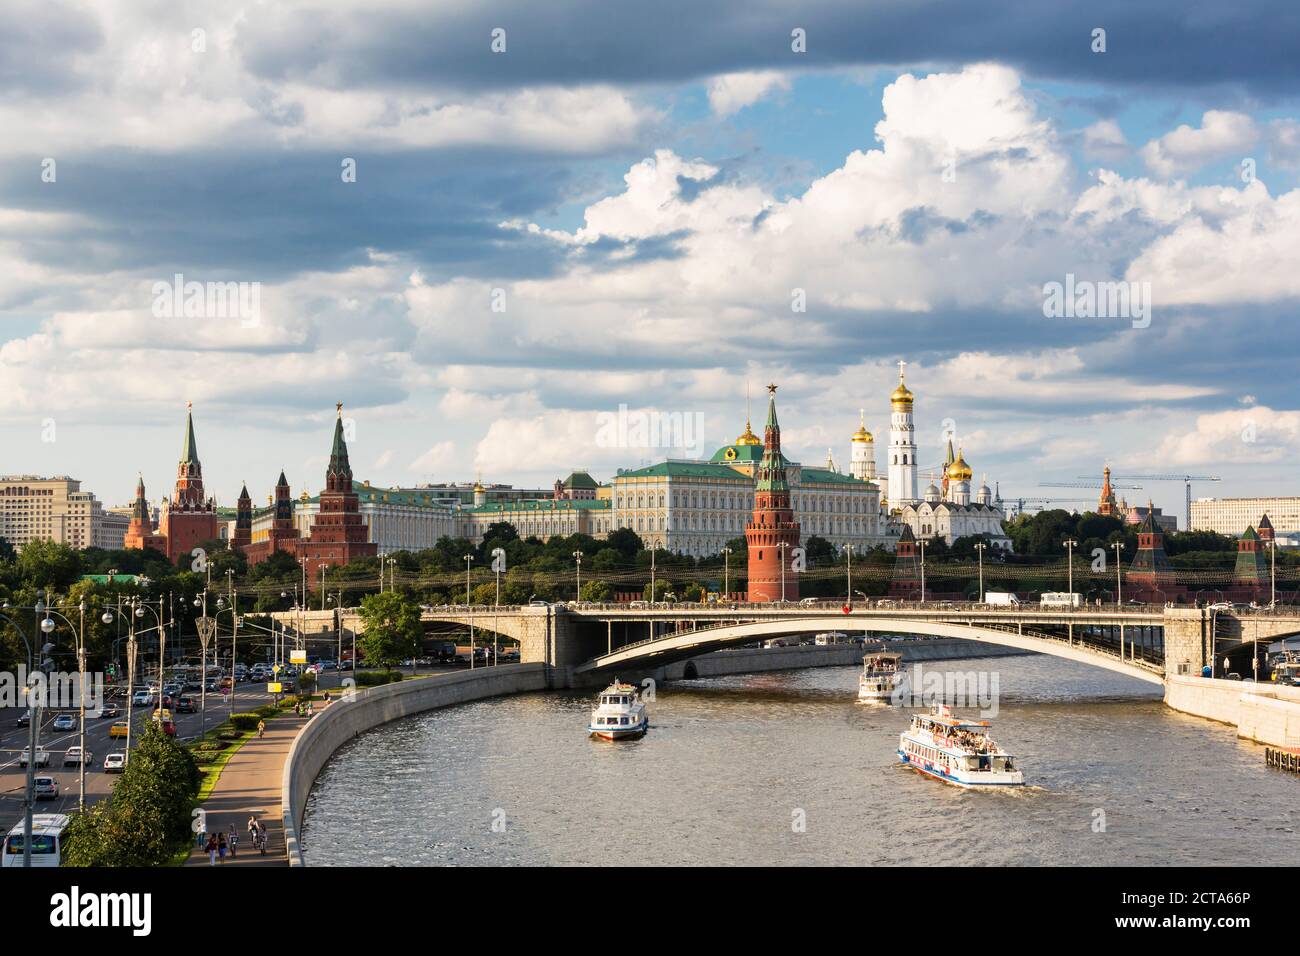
<point>190,518</point>
<point>339,534</point>
<point>772,534</point>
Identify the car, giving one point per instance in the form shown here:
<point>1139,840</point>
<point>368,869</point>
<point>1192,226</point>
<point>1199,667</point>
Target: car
<point>114,762</point>
<point>211,686</point>
<point>65,722</point>
<point>345,665</point>
<point>192,685</point>
<point>142,698</point>
<point>47,788</point>
<point>186,705</point>
<point>72,757</point>
<point>25,718</point>
<point>110,710</point>
<point>164,720</point>
<point>119,729</point>
<point>42,757</point>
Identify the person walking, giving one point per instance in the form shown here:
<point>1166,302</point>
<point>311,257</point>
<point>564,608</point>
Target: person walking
<point>212,850</point>
<point>261,836</point>
<point>221,847</point>
<point>261,729</point>
<point>233,840</point>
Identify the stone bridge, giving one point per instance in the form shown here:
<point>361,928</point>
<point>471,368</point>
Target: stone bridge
<point>581,642</point>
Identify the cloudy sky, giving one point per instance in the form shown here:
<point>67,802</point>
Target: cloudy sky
<point>485,226</point>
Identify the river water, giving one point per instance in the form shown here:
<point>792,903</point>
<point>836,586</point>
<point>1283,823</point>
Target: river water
<point>785,768</point>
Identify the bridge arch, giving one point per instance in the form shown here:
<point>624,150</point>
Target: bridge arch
<point>686,644</point>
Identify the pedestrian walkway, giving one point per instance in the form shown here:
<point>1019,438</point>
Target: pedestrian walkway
<point>250,786</point>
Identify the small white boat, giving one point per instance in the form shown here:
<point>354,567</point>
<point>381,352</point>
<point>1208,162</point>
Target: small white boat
<point>957,751</point>
<point>883,678</point>
<point>619,713</point>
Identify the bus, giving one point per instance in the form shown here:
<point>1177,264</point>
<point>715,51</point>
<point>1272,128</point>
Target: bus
<point>47,841</point>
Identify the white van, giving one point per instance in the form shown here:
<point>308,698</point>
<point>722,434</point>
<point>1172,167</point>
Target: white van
<point>47,841</point>
<point>1060,599</point>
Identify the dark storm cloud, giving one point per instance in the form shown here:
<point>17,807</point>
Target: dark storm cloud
<point>1251,44</point>
<point>278,214</point>
<point>42,46</point>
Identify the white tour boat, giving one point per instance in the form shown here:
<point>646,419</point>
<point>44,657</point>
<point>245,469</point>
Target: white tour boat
<point>620,713</point>
<point>957,751</point>
<point>882,678</point>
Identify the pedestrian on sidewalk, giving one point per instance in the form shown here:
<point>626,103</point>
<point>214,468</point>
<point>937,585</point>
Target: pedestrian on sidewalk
<point>261,729</point>
<point>221,847</point>
<point>233,840</point>
<point>212,850</point>
<point>261,836</point>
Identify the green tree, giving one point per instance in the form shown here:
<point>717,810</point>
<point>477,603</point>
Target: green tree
<point>148,815</point>
<point>392,628</point>
<point>597,591</point>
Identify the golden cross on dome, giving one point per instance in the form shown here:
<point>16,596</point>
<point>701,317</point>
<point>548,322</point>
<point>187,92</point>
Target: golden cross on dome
<point>901,363</point>
<point>771,389</point>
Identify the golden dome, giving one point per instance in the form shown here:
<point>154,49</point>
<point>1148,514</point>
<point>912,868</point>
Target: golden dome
<point>862,435</point>
<point>901,395</point>
<point>959,470</point>
<point>749,438</point>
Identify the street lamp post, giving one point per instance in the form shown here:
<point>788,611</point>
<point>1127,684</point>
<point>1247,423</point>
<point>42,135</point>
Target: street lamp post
<point>1069,561</point>
<point>921,542</point>
<point>1119,576</point>
<point>1272,573</point>
<point>577,556</point>
<point>979,550</point>
<point>469,559</point>
<point>848,551</point>
<point>780,550</point>
<point>33,734</point>
<point>48,625</point>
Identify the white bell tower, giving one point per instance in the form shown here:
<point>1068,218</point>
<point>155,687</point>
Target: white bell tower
<point>902,446</point>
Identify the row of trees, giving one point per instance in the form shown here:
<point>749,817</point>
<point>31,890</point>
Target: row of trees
<point>545,570</point>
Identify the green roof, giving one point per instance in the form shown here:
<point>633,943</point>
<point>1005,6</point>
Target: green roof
<point>687,469</point>
<point>104,578</point>
<point>580,479</point>
<point>826,476</point>
<point>742,453</point>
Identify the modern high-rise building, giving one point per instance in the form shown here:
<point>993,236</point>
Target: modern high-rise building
<point>54,509</point>
<point>1229,515</point>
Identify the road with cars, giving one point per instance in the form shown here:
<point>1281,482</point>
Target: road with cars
<point>57,739</point>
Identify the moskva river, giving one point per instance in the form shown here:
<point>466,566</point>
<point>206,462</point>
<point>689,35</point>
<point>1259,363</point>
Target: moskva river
<point>785,768</point>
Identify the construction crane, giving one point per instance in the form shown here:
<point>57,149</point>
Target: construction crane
<point>1084,484</point>
<point>1041,502</point>
<point>1187,483</point>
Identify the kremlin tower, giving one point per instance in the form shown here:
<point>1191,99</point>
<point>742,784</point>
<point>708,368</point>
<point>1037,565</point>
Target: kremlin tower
<point>189,518</point>
<point>902,446</point>
<point>140,532</point>
<point>243,534</point>
<point>339,534</point>
<point>772,534</point>
<point>1106,504</point>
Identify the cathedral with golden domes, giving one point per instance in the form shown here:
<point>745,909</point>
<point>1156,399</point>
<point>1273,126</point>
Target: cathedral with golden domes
<point>946,509</point>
